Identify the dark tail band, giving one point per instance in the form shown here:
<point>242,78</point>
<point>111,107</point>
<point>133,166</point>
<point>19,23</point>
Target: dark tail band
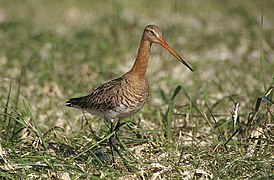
<point>74,102</point>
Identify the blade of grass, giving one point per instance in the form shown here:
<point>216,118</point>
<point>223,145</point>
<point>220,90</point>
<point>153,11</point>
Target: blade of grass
<point>94,145</point>
<point>177,90</point>
<point>19,87</point>
<point>6,124</point>
<point>37,129</point>
<point>218,128</point>
<point>39,132</point>
<point>163,96</point>
<point>192,104</point>
<point>169,113</point>
<point>169,120</point>
<point>262,52</point>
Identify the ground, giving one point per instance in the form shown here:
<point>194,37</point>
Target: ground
<point>213,123</point>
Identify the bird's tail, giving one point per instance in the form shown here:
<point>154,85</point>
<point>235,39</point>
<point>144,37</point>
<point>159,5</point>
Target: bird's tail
<point>74,102</point>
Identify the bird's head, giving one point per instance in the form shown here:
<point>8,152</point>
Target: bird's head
<point>153,34</point>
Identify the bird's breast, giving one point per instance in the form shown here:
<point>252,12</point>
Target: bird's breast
<point>130,98</point>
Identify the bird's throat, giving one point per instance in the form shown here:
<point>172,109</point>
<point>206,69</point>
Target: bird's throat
<point>139,67</point>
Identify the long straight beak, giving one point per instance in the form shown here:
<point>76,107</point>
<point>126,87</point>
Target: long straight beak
<point>167,47</point>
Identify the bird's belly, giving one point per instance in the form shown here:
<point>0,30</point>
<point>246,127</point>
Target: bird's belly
<point>123,111</point>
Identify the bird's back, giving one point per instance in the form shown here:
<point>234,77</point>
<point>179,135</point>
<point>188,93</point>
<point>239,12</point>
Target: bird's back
<point>120,97</point>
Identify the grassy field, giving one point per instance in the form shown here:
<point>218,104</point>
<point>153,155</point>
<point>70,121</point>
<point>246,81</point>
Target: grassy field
<point>214,123</point>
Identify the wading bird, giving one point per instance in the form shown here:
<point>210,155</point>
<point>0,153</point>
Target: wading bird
<point>124,96</point>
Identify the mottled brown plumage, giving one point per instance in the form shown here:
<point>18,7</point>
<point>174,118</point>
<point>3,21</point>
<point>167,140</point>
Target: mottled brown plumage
<point>126,95</point>
<point>120,97</point>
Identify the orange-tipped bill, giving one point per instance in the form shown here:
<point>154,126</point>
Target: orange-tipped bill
<point>167,47</point>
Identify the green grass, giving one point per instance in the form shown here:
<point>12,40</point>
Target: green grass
<point>216,122</point>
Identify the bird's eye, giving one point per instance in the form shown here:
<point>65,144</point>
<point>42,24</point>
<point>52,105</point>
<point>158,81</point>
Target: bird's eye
<point>151,32</point>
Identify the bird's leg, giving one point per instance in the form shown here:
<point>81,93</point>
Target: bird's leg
<point>113,140</point>
<point>118,125</point>
<point>111,143</point>
<point>115,143</point>
<point>110,124</point>
<point>116,139</point>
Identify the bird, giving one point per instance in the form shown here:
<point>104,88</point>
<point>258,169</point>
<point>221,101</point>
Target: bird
<point>126,95</point>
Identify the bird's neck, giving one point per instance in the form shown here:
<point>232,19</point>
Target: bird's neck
<point>139,67</point>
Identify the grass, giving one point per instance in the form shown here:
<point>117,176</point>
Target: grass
<point>215,123</point>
